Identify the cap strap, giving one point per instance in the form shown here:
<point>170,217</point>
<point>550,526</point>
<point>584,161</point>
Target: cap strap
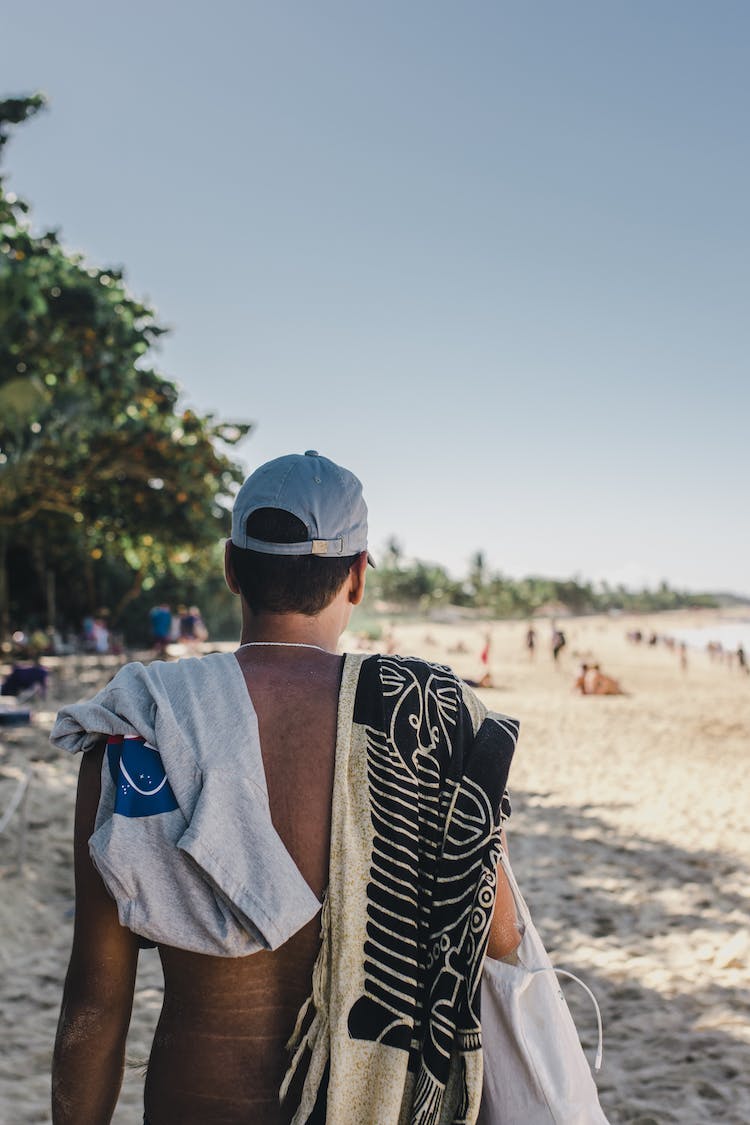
<point>306,547</point>
<point>327,547</point>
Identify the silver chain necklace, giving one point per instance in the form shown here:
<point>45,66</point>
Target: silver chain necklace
<point>280,644</point>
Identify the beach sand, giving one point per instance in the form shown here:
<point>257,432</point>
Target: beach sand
<point>630,837</point>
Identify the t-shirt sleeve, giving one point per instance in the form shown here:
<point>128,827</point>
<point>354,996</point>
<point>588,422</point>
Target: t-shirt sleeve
<point>474,706</point>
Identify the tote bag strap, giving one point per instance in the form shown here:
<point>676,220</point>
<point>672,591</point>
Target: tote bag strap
<point>524,917</point>
<point>585,987</point>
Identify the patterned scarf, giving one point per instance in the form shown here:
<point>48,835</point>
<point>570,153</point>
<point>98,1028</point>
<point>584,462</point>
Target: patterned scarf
<point>391,1033</point>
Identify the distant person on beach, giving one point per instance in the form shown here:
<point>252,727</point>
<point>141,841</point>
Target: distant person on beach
<point>100,632</point>
<point>160,618</point>
<point>289,903</point>
<point>580,680</point>
<point>530,641</point>
<point>191,628</point>
<point>592,681</point>
<point>26,681</point>
<point>742,659</point>
<point>88,627</point>
<point>484,681</point>
<point>201,630</point>
<point>558,642</point>
<point>186,624</point>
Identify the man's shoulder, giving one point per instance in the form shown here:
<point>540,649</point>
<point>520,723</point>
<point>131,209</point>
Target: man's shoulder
<point>388,681</point>
<point>183,684</point>
<point>173,671</point>
<point>391,670</point>
<point>416,664</point>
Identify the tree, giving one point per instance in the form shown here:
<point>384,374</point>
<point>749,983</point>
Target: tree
<point>98,460</point>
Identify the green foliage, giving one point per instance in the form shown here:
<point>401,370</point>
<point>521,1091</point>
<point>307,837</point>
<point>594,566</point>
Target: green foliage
<point>15,110</point>
<point>99,464</point>
<point>403,585</point>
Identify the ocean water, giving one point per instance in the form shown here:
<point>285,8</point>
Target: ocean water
<point>730,634</point>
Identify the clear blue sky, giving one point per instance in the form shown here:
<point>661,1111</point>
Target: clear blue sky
<point>493,257</point>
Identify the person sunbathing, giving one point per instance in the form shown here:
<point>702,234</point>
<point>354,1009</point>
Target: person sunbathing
<point>484,681</point>
<point>592,681</point>
<point>25,681</point>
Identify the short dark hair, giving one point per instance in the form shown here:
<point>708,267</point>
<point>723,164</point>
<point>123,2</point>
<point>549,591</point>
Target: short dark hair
<point>285,583</point>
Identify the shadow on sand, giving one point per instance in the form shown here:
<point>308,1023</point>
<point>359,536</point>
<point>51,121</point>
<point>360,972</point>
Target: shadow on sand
<point>623,912</point>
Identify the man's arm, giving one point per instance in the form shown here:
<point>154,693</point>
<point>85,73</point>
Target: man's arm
<point>505,937</point>
<point>98,996</point>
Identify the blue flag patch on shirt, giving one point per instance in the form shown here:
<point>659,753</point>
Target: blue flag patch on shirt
<point>141,785</point>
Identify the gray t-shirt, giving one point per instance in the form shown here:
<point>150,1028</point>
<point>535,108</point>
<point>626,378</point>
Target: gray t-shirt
<point>184,839</point>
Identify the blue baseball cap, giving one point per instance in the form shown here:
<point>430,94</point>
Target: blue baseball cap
<point>324,496</point>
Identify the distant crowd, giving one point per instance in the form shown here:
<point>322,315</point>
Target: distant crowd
<point>717,652</point>
<point>185,626</point>
<point>27,678</point>
<point>590,678</point>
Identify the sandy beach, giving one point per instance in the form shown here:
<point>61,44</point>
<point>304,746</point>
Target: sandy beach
<point>630,837</point>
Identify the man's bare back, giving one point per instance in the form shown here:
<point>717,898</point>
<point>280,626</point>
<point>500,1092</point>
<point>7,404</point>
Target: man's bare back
<point>218,1053</point>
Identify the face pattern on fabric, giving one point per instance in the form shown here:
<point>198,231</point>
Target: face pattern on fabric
<point>141,785</point>
<point>437,797</point>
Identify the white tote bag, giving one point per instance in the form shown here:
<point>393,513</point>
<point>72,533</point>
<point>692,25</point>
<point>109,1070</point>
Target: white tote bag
<point>535,1071</point>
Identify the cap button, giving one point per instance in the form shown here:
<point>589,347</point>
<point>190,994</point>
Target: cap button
<point>311,453</point>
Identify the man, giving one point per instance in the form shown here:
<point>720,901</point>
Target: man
<point>223,800</point>
<point>558,642</point>
<point>161,624</point>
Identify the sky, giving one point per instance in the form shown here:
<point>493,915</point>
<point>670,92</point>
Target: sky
<point>494,257</point>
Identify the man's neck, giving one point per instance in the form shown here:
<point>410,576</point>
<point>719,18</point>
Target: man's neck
<point>291,629</point>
